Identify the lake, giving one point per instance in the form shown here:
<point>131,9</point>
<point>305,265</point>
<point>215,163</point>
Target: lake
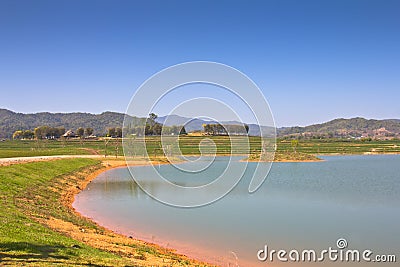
<point>300,206</point>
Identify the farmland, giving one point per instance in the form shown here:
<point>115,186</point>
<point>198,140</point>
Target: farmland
<point>189,145</point>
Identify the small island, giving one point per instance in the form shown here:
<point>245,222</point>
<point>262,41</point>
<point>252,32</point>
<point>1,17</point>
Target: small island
<point>285,157</point>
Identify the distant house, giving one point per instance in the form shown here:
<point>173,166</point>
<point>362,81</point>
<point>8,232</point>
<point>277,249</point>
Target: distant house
<point>69,134</point>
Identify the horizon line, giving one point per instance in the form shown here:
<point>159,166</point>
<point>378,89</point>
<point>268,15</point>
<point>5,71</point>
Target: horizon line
<point>93,113</point>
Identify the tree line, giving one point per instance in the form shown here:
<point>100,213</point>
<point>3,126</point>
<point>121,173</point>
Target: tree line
<point>48,132</point>
<point>151,127</point>
<point>229,129</point>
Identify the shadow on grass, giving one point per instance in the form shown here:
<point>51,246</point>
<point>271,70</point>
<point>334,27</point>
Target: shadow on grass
<point>29,251</point>
<point>25,252</point>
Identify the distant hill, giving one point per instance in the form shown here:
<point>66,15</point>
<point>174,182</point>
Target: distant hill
<point>197,124</point>
<point>12,121</point>
<point>354,127</point>
<point>190,124</point>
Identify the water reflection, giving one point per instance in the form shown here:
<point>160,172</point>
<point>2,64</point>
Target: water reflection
<point>301,205</point>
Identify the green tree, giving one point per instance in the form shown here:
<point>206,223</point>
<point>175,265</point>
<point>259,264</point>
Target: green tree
<point>18,134</point>
<point>157,129</point>
<point>152,119</point>
<point>294,144</point>
<point>111,132</point>
<point>38,133</point>
<point>80,132</point>
<point>152,127</point>
<point>89,131</point>
<point>247,128</point>
<point>148,130</point>
<point>183,131</point>
<point>205,128</point>
<point>118,132</point>
<point>209,129</point>
<point>59,132</point>
<point>27,134</point>
<point>45,130</point>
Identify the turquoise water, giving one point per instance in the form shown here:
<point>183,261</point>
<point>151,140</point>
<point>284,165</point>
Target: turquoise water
<point>300,206</point>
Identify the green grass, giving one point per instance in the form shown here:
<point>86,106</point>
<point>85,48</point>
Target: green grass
<point>338,146</point>
<point>189,145</point>
<point>31,192</point>
<point>27,148</point>
<point>25,194</point>
<point>285,156</point>
<point>22,239</point>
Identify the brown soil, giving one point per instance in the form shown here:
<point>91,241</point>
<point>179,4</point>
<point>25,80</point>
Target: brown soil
<point>110,241</point>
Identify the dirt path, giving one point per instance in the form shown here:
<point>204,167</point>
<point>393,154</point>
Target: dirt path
<point>19,160</point>
<point>91,151</point>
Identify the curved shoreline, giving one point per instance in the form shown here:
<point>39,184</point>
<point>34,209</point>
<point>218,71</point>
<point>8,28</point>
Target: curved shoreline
<point>69,197</point>
<point>39,229</point>
<point>67,222</point>
<point>197,255</point>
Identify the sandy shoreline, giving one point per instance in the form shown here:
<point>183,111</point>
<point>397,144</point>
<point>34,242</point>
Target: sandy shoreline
<point>109,238</point>
<point>198,256</point>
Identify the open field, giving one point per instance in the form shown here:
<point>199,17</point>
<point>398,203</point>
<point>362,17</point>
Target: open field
<point>37,227</point>
<point>30,148</point>
<point>337,146</point>
<point>189,145</point>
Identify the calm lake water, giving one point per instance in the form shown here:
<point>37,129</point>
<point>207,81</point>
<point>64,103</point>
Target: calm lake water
<point>300,206</point>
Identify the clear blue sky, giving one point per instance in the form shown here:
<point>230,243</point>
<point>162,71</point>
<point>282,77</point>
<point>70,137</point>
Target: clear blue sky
<point>314,60</point>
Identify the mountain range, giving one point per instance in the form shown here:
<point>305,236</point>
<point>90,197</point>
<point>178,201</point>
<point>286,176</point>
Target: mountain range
<point>355,127</point>
<point>11,121</point>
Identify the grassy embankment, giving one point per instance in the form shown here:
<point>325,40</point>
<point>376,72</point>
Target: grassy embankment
<point>32,209</point>
<point>190,146</point>
<point>38,228</point>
